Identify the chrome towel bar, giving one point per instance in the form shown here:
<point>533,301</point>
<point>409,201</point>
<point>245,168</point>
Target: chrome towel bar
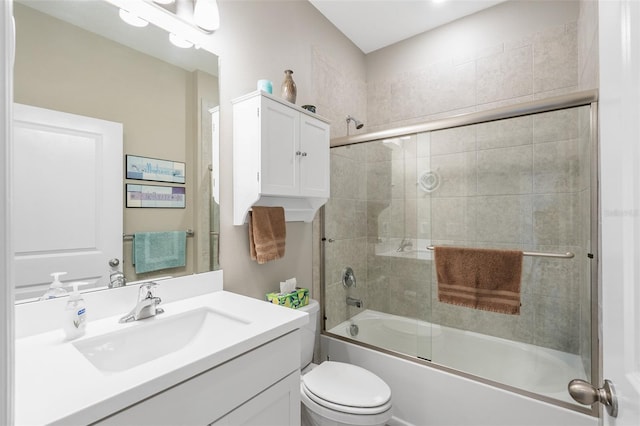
<point>130,236</point>
<point>567,255</point>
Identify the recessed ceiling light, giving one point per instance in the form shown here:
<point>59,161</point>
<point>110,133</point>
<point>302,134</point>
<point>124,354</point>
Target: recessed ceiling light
<point>132,19</point>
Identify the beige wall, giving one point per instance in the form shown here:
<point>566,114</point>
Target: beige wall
<point>588,45</point>
<point>260,39</point>
<point>513,52</point>
<point>65,68</point>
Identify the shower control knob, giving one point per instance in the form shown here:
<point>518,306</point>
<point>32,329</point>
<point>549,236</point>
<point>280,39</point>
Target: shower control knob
<point>587,394</point>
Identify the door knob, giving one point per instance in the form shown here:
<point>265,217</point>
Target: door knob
<point>587,394</point>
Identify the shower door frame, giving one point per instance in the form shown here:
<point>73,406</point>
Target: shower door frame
<point>576,99</point>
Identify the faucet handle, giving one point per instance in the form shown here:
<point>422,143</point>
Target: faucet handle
<point>147,290</point>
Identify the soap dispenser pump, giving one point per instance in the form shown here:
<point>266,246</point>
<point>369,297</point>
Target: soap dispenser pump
<point>75,314</point>
<point>55,289</point>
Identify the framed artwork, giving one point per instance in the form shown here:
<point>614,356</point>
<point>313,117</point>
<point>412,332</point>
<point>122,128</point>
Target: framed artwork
<point>145,168</point>
<point>155,196</point>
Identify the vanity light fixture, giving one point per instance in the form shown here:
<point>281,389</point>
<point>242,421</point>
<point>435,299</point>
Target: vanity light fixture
<point>201,14</point>
<point>179,41</point>
<point>206,14</point>
<point>132,19</point>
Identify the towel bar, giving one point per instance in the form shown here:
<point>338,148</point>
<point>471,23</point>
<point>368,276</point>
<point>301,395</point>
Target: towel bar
<point>130,236</point>
<point>567,255</point>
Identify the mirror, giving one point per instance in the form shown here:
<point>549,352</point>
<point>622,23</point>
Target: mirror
<point>79,57</point>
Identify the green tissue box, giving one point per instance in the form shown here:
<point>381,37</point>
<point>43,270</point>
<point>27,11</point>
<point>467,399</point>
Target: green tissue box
<point>296,299</point>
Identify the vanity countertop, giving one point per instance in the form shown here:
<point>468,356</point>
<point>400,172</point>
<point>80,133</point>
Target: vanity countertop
<point>57,384</point>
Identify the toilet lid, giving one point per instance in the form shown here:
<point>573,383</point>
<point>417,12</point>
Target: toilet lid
<point>347,385</point>
<point>307,396</point>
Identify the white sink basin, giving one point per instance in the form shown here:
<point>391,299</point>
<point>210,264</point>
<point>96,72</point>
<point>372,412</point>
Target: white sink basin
<point>155,337</point>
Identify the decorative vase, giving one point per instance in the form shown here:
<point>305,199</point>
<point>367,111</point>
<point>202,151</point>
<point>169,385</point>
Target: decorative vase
<point>289,90</point>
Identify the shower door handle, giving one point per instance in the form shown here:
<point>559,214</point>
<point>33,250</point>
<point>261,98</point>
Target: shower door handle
<point>587,394</point>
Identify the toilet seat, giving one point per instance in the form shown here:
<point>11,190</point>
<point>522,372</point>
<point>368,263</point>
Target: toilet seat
<point>346,388</point>
<point>344,408</point>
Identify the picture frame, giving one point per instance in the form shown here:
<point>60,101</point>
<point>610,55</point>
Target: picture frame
<point>155,196</point>
<point>154,169</point>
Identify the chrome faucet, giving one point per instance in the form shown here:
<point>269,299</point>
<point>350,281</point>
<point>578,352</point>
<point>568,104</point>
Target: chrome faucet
<point>404,244</point>
<point>117,279</point>
<point>355,302</point>
<point>147,305</point>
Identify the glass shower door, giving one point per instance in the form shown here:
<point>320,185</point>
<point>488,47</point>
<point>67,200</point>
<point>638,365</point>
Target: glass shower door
<point>521,183</point>
<point>371,226</point>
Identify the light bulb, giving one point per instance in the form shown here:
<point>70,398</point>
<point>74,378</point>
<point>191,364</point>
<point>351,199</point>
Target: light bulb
<point>206,14</point>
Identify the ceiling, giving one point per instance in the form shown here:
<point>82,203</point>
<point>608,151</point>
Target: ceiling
<point>374,24</point>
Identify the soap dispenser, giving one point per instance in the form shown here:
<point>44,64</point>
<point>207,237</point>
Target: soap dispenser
<point>75,314</point>
<point>55,289</point>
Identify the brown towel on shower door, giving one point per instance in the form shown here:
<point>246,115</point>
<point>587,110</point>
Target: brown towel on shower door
<point>479,278</point>
<point>267,233</point>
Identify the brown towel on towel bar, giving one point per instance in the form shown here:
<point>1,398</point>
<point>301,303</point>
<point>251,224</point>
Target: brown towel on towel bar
<point>267,233</point>
<point>479,278</point>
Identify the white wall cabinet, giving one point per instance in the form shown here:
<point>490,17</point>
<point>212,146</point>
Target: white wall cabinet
<point>260,387</point>
<point>280,157</point>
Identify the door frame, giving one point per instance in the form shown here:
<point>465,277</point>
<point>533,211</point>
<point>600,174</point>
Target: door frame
<point>7,50</point>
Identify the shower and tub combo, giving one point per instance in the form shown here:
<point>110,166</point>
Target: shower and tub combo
<point>494,358</point>
<point>519,178</point>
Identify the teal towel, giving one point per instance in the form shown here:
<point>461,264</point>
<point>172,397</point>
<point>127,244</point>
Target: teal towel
<point>153,251</point>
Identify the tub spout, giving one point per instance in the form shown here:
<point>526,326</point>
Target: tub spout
<point>355,302</point>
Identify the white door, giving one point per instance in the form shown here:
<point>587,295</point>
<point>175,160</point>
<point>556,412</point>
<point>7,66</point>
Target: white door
<point>619,28</point>
<point>66,198</point>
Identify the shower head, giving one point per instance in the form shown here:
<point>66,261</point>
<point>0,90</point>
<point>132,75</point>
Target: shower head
<point>359,124</point>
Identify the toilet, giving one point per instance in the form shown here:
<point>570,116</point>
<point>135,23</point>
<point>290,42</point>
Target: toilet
<point>336,393</point>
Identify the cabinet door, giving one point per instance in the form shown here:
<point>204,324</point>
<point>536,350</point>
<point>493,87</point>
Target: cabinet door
<point>279,161</point>
<point>314,158</point>
<point>277,406</point>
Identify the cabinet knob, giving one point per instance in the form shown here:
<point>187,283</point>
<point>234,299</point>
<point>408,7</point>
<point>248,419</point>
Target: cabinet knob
<point>304,154</point>
<point>298,152</point>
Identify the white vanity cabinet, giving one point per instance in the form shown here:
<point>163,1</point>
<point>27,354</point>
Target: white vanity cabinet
<point>260,387</point>
<point>280,157</point>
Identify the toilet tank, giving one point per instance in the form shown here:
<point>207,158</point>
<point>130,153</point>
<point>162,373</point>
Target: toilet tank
<point>308,332</point>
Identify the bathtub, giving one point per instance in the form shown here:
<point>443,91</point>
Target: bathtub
<point>528,367</point>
